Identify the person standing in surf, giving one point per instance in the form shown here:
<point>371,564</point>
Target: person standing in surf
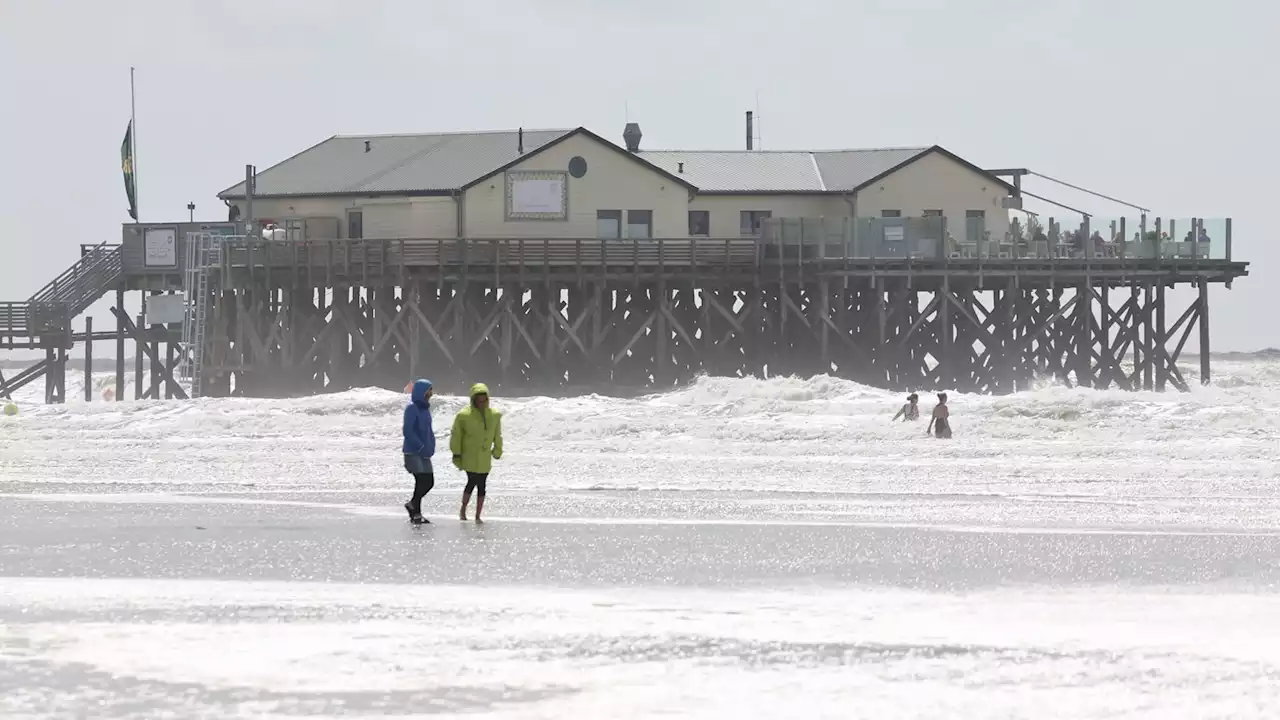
<point>940,423</point>
<point>419,446</point>
<point>476,441</point>
<point>910,411</point>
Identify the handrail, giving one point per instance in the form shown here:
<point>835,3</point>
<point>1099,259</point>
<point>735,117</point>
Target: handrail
<point>52,287</point>
<point>28,319</point>
<point>84,282</point>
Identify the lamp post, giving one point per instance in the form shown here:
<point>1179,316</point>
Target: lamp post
<point>191,211</point>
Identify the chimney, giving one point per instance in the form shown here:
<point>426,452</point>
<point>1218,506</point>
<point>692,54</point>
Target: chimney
<point>520,141</point>
<point>631,136</point>
<point>750,131</point>
<point>680,168</point>
<point>368,145</point>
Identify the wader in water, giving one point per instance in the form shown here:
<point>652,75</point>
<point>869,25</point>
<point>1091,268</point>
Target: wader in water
<point>940,424</point>
<point>910,411</point>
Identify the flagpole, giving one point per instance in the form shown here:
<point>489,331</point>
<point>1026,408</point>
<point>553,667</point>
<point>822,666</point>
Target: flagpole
<point>133,142</point>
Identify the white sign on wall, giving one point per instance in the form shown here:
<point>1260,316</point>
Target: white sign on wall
<point>166,309</point>
<point>537,195</point>
<point>160,247</point>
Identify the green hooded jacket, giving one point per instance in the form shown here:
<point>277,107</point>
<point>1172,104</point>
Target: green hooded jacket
<point>476,439</point>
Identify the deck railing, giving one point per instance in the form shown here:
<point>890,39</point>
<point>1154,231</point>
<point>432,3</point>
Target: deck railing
<point>515,252</point>
<point>904,239</point>
<point>33,319</point>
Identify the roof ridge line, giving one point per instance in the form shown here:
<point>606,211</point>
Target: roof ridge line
<point>899,148</point>
<point>358,136</point>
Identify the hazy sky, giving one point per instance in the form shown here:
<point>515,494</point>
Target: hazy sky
<point>1165,103</point>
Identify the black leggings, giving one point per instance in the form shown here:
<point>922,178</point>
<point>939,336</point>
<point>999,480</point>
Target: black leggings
<point>476,481</point>
<point>422,484</point>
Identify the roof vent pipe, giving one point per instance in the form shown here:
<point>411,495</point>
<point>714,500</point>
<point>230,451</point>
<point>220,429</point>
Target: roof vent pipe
<point>680,168</point>
<point>520,141</point>
<point>368,145</point>
<point>750,130</point>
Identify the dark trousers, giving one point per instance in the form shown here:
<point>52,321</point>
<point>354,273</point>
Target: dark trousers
<point>424,478</point>
<point>422,484</point>
<point>476,482</point>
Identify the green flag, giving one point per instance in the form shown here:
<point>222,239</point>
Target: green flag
<point>126,165</point>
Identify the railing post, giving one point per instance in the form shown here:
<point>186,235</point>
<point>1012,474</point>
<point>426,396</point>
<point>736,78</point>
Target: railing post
<point>1228,241</point>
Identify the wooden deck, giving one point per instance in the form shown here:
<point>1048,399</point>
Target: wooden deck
<point>393,261</point>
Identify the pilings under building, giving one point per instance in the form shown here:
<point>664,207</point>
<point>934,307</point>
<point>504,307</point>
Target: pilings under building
<point>264,318</point>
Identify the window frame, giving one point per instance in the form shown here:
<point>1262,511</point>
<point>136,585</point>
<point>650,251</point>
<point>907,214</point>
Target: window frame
<point>615,215</point>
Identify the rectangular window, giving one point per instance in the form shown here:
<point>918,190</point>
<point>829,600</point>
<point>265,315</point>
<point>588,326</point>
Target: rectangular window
<point>751,220</point>
<point>890,213</point>
<point>609,224</point>
<point>294,229</point>
<point>355,224</point>
<point>699,223</point>
<point>933,213</point>
<point>975,214</point>
<point>639,223</point>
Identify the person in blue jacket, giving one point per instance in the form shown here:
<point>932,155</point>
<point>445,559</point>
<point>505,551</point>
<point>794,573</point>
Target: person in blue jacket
<point>419,446</point>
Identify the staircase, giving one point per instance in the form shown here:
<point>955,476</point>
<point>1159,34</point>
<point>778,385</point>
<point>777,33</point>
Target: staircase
<point>44,320</point>
<point>84,283</point>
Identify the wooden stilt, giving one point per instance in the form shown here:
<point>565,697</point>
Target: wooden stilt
<point>1204,333</point>
<point>88,358</point>
<point>120,347</point>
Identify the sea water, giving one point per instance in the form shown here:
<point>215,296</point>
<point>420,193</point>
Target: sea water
<point>733,548</point>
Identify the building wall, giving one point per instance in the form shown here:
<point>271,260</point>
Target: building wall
<point>725,210</point>
<point>403,217</point>
<point>612,182</point>
<point>938,182</point>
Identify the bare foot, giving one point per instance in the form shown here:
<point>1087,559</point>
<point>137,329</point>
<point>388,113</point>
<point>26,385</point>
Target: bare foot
<point>462,517</point>
<point>479,521</point>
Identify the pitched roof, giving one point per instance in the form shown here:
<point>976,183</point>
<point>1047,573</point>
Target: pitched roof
<point>634,157</point>
<point>438,163</point>
<point>746,171</point>
<point>394,164</point>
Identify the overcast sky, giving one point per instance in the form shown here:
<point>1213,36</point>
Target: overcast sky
<point>1164,103</point>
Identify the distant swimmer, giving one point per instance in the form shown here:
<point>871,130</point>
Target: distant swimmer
<point>941,419</point>
<point>419,446</point>
<point>476,442</point>
<point>910,411</point>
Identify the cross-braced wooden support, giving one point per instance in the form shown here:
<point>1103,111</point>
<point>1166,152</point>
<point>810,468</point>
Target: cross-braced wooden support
<point>538,335</point>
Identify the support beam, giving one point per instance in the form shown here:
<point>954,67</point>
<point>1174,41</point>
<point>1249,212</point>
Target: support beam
<point>88,359</point>
<point>1204,334</point>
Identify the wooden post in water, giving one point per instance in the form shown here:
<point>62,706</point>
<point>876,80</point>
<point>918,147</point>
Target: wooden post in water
<point>137,359</point>
<point>1204,332</point>
<point>88,358</point>
<point>49,375</point>
<point>120,345</point>
<point>154,357</point>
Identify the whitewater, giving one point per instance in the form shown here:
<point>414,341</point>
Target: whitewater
<point>734,548</point>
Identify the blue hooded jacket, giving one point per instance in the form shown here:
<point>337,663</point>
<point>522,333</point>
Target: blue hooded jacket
<point>419,437</point>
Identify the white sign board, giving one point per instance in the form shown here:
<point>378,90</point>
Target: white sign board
<point>537,196</point>
<point>160,248</point>
<point>893,233</point>
<point>166,309</point>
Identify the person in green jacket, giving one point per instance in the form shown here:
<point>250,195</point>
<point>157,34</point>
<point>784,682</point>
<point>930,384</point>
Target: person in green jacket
<point>476,440</point>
